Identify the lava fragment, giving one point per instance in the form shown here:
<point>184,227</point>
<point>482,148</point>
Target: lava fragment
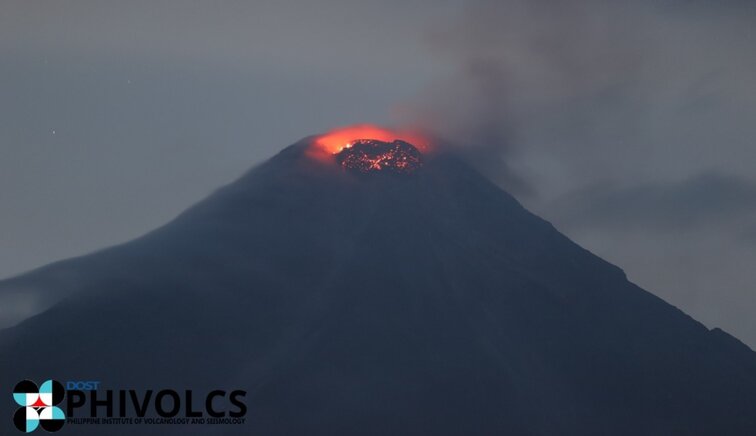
<point>369,155</point>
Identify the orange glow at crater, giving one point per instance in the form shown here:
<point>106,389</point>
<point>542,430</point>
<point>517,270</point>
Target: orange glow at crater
<point>370,155</point>
<point>338,139</point>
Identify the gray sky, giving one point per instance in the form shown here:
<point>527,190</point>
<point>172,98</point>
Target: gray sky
<point>630,125</point>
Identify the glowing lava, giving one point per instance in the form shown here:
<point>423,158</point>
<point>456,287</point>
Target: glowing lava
<point>338,139</point>
<point>367,155</point>
<point>367,148</point>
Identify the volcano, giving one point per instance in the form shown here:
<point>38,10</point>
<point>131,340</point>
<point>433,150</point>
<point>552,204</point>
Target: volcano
<point>360,302</point>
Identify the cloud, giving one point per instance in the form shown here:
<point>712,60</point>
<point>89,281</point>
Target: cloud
<point>707,199</point>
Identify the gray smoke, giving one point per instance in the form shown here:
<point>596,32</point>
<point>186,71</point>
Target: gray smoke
<point>628,124</point>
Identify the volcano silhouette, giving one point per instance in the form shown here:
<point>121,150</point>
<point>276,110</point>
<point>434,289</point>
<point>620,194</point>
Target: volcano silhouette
<point>344,304</point>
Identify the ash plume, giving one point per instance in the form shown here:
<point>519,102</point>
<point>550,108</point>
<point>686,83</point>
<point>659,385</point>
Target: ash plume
<point>567,105</point>
<point>596,89</point>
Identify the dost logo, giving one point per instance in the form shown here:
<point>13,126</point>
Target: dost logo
<point>39,406</point>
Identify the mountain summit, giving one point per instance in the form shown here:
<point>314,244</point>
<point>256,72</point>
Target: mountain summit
<point>370,155</point>
<point>352,303</point>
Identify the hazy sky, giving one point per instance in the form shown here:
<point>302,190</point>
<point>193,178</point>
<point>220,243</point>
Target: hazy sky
<point>630,125</point>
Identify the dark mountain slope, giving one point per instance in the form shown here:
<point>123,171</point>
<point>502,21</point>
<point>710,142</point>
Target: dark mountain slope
<point>423,303</point>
